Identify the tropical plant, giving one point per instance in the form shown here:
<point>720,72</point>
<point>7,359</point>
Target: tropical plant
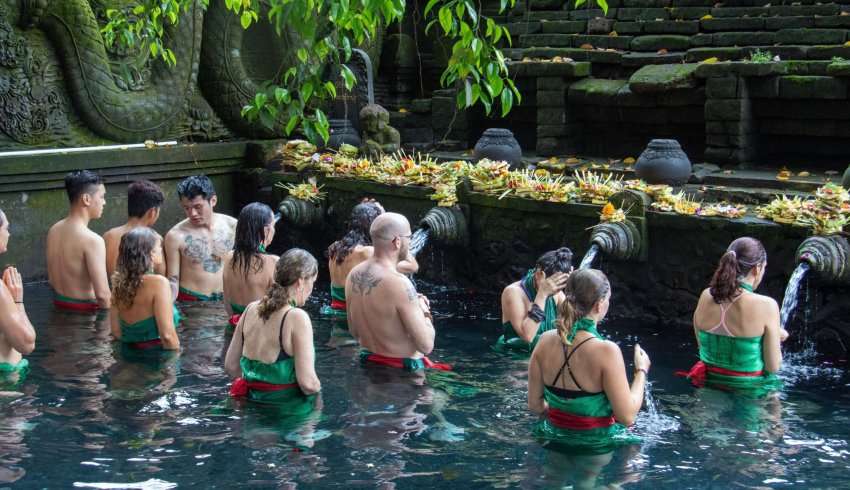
<point>329,30</point>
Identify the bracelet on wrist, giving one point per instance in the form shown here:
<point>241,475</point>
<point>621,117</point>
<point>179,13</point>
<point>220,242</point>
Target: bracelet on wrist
<point>19,302</point>
<point>536,314</point>
<point>642,370</point>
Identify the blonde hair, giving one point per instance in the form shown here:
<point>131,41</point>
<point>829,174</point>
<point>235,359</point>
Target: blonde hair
<point>293,265</point>
<point>584,288</point>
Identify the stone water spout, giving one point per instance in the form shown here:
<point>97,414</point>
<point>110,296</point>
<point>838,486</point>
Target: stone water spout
<point>446,225</point>
<point>623,240</point>
<point>828,257</point>
<point>300,213</point>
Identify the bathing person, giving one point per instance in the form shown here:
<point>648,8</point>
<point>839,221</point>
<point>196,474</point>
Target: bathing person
<point>577,380</point>
<point>385,314</point>
<point>195,247</point>
<point>271,355</point>
<point>529,306</point>
<point>144,315</point>
<point>737,330</point>
<point>144,200</point>
<point>76,256</point>
<point>248,269</point>
<point>17,335</point>
<point>354,248</point>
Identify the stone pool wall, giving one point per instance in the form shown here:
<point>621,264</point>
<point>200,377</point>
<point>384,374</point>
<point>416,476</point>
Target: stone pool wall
<point>507,235</point>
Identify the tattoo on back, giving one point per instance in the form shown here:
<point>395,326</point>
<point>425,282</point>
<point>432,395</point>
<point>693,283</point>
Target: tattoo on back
<point>411,293</point>
<point>362,282</point>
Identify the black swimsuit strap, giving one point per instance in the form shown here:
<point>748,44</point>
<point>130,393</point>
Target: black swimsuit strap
<point>566,364</point>
<point>280,334</point>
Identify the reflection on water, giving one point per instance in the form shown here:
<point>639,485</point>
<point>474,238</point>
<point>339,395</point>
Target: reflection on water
<point>92,414</point>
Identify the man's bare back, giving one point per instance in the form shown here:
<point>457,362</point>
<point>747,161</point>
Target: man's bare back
<point>112,240</point>
<point>195,254</point>
<point>73,253</point>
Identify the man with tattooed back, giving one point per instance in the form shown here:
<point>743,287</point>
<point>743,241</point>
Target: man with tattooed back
<point>386,315</point>
<point>194,247</point>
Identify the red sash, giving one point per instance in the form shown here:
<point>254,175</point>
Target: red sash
<point>183,296</point>
<point>398,362</point>
<point>699,371</point>
<point>571,421</point>
<point>82,307</point>
<point>338,305</point>
<point>146,344</point>
<point>240,387</point>
<point>234,319</point>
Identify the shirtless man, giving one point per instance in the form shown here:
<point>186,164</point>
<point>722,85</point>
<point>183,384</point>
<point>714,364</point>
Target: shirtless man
<point>195,247</point>
<point>76,256</point>
<point>385,314</point>
<point>144,199</point>
<point>17,336</point>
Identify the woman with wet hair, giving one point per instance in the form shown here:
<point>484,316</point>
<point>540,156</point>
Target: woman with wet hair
<point>577,380</point>
<point>271,355</point>
<point>248,269</point>
<point>529,306</point>
<point>737,330</point>
<point>352,249</point>
<point>143,314</point>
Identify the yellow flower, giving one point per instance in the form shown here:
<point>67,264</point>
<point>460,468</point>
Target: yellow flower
<point>608,209</point>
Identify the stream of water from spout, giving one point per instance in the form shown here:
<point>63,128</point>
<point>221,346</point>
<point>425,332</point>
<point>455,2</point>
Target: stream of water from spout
<point>789,301</point>
<point>419,240</point>
<point>651,421</point>
<point>587,261</point>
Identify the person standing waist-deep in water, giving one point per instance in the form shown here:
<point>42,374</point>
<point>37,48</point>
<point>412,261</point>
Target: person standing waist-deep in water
<point>737,330</point>
<point>577,380</point>
<point>248,268</point>
<point>76,256</point>
<point>144,200</point>
<point>196,246</point>
<point>143,315</point>
<point>529,306</point>
<point>271,356</point>
<point>17,335</point>
<point>385,314</point>
<point>354,248</point>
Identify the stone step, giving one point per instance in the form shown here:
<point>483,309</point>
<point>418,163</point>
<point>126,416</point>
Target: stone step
<point>592,55</point>
<point>575,41</point>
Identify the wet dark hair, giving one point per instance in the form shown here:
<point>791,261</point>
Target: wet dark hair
<point>194,186</point>
<point>79,182</point>
<point>249,235</point>
<point>134,261</point>
<point>559,260</point>
<point>361,220</point>
<point>143,195</point>
<point>584,288</point>
<point>742,255</point>
<point>294,264</point>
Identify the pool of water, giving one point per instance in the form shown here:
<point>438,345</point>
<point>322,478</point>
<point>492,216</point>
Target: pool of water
<point>88,416</point>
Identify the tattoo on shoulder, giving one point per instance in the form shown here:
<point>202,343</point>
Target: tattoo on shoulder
<point>411,293</point>
<point>363,281</point>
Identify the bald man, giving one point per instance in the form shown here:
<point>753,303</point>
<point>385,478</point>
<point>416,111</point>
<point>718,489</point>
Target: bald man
<point>385,314</point>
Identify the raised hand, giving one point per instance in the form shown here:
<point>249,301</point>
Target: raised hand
<point>550,285</point>
<point>12,280</point>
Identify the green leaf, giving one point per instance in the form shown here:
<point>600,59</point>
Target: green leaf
<point>302,55</point>
<point>446,19</point>
<point>603,5</point>
<point>280,94</point>
<point>579,3</point>
<point>331,89</point>
<point>429,6</point>
<point>348,77</point>
<point>291,124</point>
<point>154,49</point>
<point>507,102</point>
<point>471,10</point>
<point>306,91</point>
<point>245,19</point>
<point>467,90</point>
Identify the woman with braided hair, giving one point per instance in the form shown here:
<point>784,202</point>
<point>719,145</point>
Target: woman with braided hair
<point>143,314</point>
<point>737,330</point>
<point>271,355</point>
<point>577,380</point>
<point>352,249</point>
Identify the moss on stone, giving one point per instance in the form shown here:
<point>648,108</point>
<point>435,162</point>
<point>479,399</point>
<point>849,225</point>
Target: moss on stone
<point>662,78</point>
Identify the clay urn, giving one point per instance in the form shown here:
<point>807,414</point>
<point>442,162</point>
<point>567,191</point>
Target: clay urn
<point>845,181</point>
<point>663,162</point>
<point>342,131</point>
<point>499,144</point>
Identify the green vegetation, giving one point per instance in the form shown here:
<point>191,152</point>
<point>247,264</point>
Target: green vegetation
<point>328,31</point>
<point>759,56</point>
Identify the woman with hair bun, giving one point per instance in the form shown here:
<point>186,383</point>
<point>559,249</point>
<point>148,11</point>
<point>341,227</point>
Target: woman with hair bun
<point>588,401</point>
<point>737,330</point>
<point>271,355</point>
<point>529,306</point>
<point>143,314</point>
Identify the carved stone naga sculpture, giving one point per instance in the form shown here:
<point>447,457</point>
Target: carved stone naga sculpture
<point>208,43</point>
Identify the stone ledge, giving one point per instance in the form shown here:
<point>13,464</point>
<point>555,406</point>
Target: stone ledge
<point>654,79</point>
<point>741,68</point>
<point>811,87</point>
<point>576,69</point>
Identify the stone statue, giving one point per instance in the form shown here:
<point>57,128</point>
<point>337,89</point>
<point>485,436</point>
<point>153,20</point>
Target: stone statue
<point>378,136</point>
